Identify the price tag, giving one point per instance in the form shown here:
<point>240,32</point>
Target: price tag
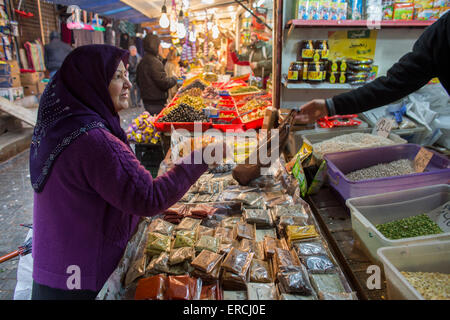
<point>422,159</point>
<point>383,127</point>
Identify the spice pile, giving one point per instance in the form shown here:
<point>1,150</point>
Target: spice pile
<point>194,84</point>
<point>382,170</point>
<point>244,90</point>
<point>431,285</point>
<point>352,141</point>
<point>414,226</point>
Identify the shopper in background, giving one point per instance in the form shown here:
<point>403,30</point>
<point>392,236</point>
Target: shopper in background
<point>428,59</point>
<point>152,79</point>
<point>259,57</point>
<point>90,190</point>
<point>172,69</point>
<point>55,52</point>
<point>133,62</point>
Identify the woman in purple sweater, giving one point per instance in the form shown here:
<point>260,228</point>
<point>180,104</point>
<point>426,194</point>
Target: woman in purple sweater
<point>90,190</point>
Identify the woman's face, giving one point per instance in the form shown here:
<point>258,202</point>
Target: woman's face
<point>119,88</point>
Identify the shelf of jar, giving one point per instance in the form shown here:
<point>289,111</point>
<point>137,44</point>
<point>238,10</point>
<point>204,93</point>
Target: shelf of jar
<point>319,86</point>
<point>359,23</point>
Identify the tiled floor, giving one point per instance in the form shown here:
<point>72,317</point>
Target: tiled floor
<point>16,207</point>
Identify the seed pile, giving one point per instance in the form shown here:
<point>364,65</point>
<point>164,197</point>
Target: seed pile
<point>193,92</point>
<point>431,285</point>
<point>195,84</point>
<point>184,113</point>
<point>415,226</point>
<point>352,141</point>
<point>382,170</point>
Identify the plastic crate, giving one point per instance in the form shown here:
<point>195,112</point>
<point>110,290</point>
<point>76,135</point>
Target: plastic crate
<point>341,163</point>
<point>431,256</point>
<point>367,212</point>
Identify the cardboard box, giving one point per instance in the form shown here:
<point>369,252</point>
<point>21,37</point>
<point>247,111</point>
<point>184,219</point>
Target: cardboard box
<point>10,81</point>
<point>31,89</point>
<point>14,65</point>
<point>41,86</point>
<point>12,94</point>
<point>28,78</point>
<point>403,11</point>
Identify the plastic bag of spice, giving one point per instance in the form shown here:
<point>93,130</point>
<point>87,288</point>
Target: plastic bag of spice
<point>294,279</point>
<point>238,261</point>
<point>151,288</point>
<point>260,272</point>
<point>337,296</point>
<point>177,269</point>
<point>261,291</point>
<point>162,262</point>
<point>205,231</point>
<point>225,234</point>
<point>260,234</point>
<point>327,282</point>
<point>252,200</point>
<point>244,231</point>
<point>301,232</point>
<point>284,258</point>
<point>188,224</point>
<point>319,264</point>
<point>277,198</point>
<point>161,226</point>
<point>260,217</point>
<point>184,238</point>
<point>309,248</point>
<point>183,288</point>
<point>230,222</point>
<point>292,211</point>
<point>253,246</point>
<point>157,243</point>
<point>202,211</point>
<point>226,247</point>
<point>207,243</point>
<point>234,295</point>
<point>291,221</point>
<point>206,261</point>
<point>213,275</point>
<point>270,244</point>
<point>211,292</point>
<point>181,254</point>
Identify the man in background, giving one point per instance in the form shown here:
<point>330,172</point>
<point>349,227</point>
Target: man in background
<point>55,52</point>
<point>133,62</point>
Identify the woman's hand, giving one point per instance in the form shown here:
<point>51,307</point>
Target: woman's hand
<point>311,112</point>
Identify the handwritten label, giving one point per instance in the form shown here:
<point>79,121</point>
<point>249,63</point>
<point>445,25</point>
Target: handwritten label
<point>422,159</point>
<point>383,127</point>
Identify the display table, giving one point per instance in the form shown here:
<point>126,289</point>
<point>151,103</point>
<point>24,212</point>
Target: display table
<point>334,219</point>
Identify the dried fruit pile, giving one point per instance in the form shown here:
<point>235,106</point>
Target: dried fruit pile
<point>184,113</point>
<point>431,285</point>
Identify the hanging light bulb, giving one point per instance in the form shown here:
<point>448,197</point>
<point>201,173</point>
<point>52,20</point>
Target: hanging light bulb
<point>181,30</point>
<point>215,32</point>
<point>164,21</point>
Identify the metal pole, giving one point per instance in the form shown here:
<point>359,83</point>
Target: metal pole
<point>40,21</point>
<point>251,12</point>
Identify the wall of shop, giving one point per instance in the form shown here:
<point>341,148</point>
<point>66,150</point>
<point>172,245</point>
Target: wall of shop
<point>30,28</point>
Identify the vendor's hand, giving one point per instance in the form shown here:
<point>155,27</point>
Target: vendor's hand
<point>311,112</point>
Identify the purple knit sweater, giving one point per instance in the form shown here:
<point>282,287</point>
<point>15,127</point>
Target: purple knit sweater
<point>91,205</point>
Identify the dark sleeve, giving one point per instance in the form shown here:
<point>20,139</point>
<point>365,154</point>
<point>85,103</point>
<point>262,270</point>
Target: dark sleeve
<point>266,63</point>
<point>409,74</point>
<point>160,77</point>
<point>113,171</point>
<point>46,57</point>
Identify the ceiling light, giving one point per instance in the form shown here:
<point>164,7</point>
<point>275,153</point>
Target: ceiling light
<point>164,21</point>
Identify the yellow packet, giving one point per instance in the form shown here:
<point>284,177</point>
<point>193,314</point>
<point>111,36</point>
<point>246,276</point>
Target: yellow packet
<point>301,232</point>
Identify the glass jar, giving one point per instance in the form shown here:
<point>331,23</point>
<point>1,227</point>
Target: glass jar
<point>295,73</point>
<point>306,50</point>
<point>322,49</point>
<point>316,72</point>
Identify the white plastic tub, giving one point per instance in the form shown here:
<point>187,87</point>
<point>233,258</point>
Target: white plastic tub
<point>368,211</point>
<point>431,256</point>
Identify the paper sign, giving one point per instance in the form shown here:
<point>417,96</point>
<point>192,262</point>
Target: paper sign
<point>383,127</point>
<point>422,159</point>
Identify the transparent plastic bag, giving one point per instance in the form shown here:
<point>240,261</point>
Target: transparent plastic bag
<point>327,282</point>
<point>253,246</point>
<point>161,226</point>
<point>245,231</point>
<point>277,198</point>
<point>318,264</point>
<point>188,224</point>
<point>284,258</point>
<point>205,231</point>
<point>261,291</point>
<point>294,280</point>
<point>337,296</point>
<point>157,243</point>
<point>183,288</point>
<point>260,217</point>
<point>238,261</point>
<point>260,272</point>
<point>301,232</point>
<point>296,210</point>
<point>234,295</point>
<point>309,248</point>
<point>181,254</point>
<point>230,222</point>
<point>151,288</point>
<point>208,243</point>
<point>206,261</point>
<point>184,238</point>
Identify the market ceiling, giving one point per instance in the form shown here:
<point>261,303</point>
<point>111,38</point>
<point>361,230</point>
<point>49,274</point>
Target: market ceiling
<point>138,11</point>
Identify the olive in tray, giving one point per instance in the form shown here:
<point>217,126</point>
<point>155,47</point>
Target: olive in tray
<point>184,113</point>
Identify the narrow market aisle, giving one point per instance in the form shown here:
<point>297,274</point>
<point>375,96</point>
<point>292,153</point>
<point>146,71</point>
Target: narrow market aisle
<point>16,207</point>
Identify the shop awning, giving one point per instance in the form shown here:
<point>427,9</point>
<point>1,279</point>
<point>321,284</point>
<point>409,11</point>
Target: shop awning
<point>114,9</point>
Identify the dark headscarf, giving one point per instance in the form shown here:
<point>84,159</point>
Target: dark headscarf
<point>76,100</point>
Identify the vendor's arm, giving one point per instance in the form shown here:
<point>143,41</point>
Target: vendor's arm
<point>239,59</point>
<point>113,171</point>
<point>266,63</point>
<point>429,58</point>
